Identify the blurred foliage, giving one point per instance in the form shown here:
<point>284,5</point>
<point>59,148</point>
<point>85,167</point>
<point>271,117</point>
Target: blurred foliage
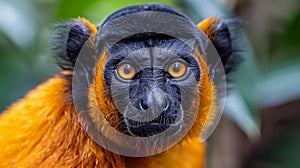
<point>25,60</point>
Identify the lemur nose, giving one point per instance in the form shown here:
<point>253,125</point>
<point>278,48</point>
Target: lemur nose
<point>156,99</point>
<point>144,104</point>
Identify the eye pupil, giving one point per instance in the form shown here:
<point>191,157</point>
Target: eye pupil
<point>127,69</point>
<point>176,67</point>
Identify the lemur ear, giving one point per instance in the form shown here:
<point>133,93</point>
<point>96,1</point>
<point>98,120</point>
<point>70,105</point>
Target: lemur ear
<point>222,33</point>
<point>68,40</point>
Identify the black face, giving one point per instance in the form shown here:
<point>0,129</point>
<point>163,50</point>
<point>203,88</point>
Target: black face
<point>153,90</point>
<point>147,74</point>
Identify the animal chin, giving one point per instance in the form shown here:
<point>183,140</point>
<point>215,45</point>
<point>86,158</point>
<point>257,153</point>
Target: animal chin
<point>167,119</point>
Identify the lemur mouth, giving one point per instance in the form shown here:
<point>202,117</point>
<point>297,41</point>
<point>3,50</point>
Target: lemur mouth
<point>167,119</point>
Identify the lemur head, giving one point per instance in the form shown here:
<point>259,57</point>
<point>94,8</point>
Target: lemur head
<point>145,71</point>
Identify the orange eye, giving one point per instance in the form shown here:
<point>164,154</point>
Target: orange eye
<point>126,71</point>
<point>177,69</point>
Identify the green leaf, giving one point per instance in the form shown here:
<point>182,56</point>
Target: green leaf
<point>280,84</point>
<point>238,111</point>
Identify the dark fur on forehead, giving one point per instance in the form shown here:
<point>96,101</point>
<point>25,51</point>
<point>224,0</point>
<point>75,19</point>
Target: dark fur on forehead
<point>145,7</point>
<point>144,18</point>
<point>148,40</point>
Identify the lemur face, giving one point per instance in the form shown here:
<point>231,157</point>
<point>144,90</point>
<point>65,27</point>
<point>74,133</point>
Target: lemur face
<point>148,74</point>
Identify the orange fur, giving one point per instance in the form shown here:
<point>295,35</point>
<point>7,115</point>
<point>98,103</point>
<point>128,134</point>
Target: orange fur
<point>42,129</point>
<point>208,25</point>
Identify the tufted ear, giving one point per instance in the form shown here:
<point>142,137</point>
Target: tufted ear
<point>68,40</point>
<point>222,33</point>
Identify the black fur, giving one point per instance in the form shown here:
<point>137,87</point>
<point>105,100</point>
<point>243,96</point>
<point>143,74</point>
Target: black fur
<point>224,39</point>
<point>145,7</point>
<point>68,40</point>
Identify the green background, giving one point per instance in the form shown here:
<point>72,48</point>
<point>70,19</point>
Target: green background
<point>268,78</point>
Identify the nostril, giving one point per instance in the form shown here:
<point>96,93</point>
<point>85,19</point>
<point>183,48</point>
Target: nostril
<point>143,105</point>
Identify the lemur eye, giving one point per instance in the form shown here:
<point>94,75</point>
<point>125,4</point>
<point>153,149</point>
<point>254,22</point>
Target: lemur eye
<point>177,69</point>
<point>126,71</point>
